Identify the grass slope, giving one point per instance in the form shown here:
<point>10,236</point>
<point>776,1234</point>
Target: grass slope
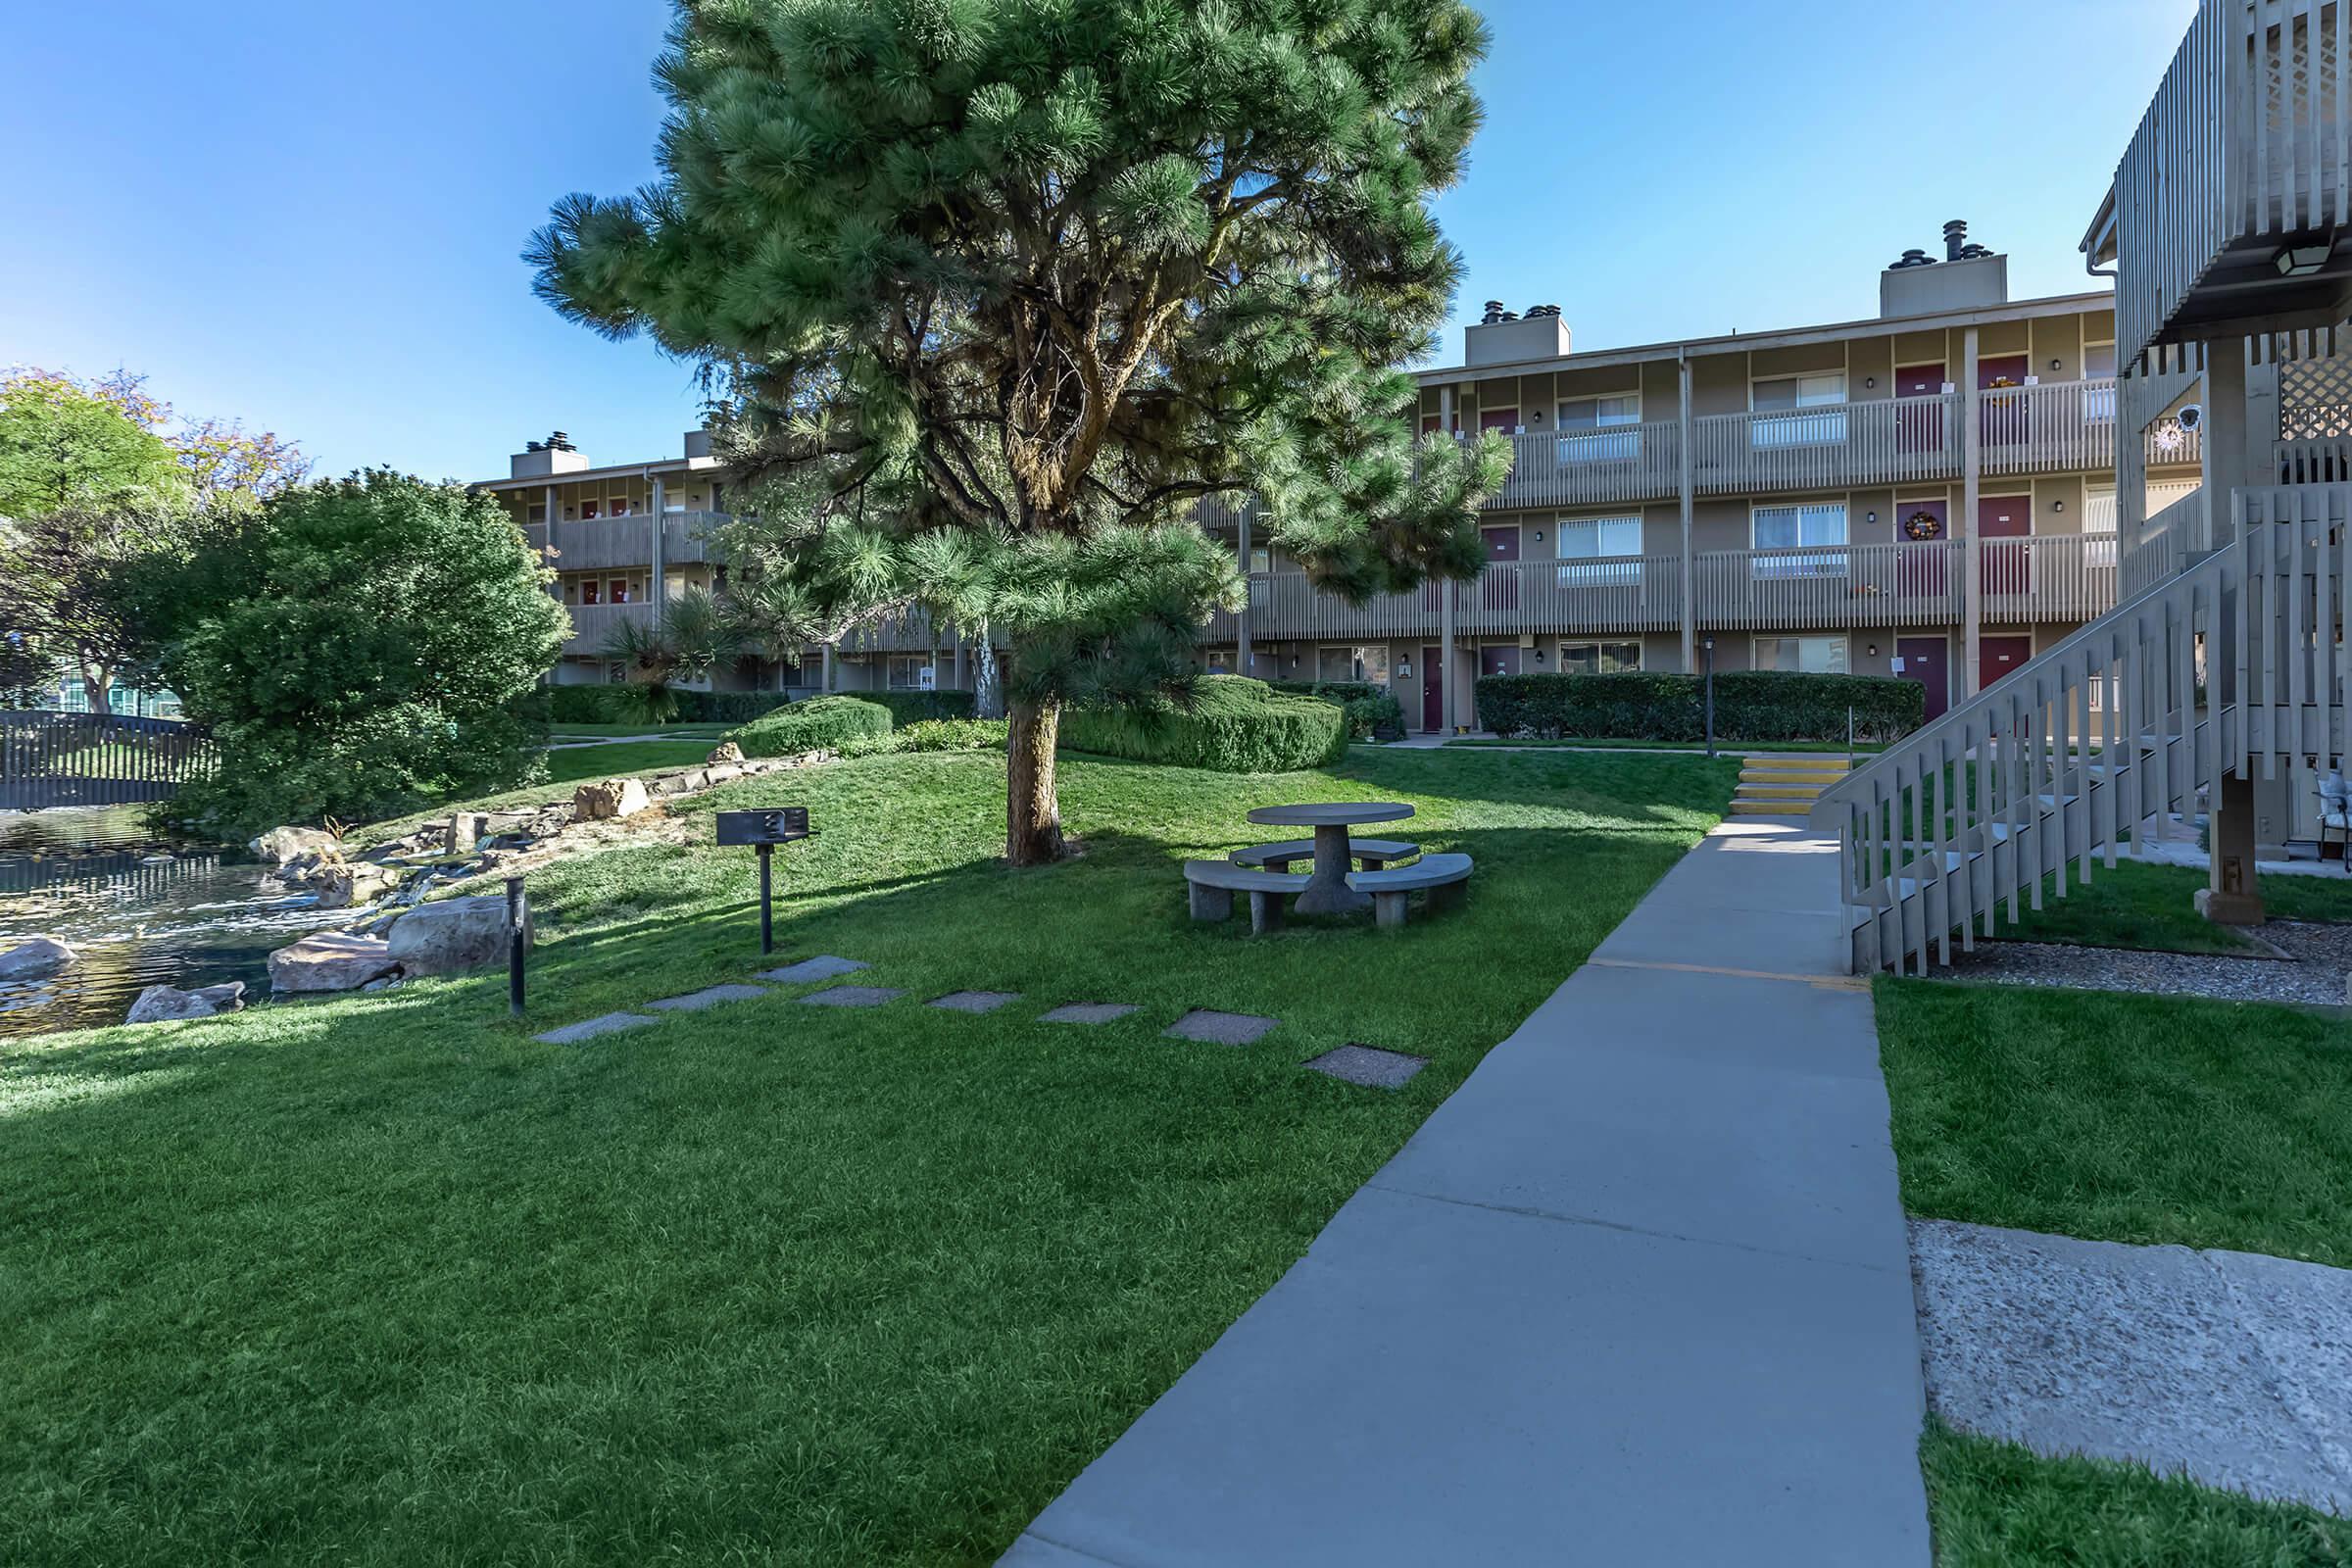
<point>2000,1505</point>
<point>2152,907</point>
<point>382,1281</point>
<point>570,764</point>
<point>2123,1118</point>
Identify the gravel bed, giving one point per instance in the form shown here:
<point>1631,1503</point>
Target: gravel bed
<point>2318,957</point>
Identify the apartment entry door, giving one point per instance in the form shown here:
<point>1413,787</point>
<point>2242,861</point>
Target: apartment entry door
<point>2005,567</point>
<point>1918,429</point>
<point>1433,688</point>
<point>1923,569</point>
<point>1928,661</point>
<point>1998,657</point>
<point>1498,589</point>
<point>2001,421</point>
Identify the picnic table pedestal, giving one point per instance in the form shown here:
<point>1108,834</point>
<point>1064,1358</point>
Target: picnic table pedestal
<point>1327,892</point>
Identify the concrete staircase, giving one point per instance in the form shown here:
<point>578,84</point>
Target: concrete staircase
<point>1785,786</point>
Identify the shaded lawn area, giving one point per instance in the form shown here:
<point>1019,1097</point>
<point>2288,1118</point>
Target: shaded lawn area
<point>383,1279</point>
<point>573,765</point>
<point>1576,743</point>
<point>1999,1505</point>
<point>2153,907</point>
<point>607,731</point>
<point>2123,1118</point>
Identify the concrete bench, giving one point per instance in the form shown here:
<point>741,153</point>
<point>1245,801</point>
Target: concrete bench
<point>1374,853</point>
<point>1212,885</point>
<point>1447,877</point>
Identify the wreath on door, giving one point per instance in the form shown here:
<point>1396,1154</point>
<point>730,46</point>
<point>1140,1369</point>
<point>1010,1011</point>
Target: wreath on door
<point>1998,382</point>
<point>1922,525</point>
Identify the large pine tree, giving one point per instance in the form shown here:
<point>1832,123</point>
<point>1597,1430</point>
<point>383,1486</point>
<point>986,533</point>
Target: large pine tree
<point>998,291</point>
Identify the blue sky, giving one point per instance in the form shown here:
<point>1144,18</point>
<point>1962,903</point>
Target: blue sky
<point>310,215</point>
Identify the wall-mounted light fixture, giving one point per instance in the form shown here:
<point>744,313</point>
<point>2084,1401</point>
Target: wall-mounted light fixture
<point>1871,650</point>
<point>1539,656</point>
<point>2055,363</point>
<point>1869,516</point>
<point>1404,668</point>
<point>1870,381</point>
<point>1539,537</point>
<point>2057,506</point>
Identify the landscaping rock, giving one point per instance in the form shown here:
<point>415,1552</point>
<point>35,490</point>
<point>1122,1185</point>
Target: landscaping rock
<point>1368,1065</point>
<point>725,751</point>
<point>853,996</point>
<point>590,1028</point>
<point>164,1004</point>
<point>973,1000</point>
<point>340,886</point>
<point>612,798</point>
<point>330,960</point>
<point>822,967</point>
<point>36,960</point>
<point>1087,1012</point>
<point>283,844</point>
<point>708,997</point>
<point>720,774</point>
<point>1220,1028</point>
<point>453,936</point>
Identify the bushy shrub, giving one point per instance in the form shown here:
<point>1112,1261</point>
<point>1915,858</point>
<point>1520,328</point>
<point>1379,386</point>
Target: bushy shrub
<point>1231,725</point>
<point>577,705</point>
<point>1751,705</point>
<point>817,724</point>
<point>1335,691</point>
<point>932,735</point>
<point>1368,707</point>
<point>912,707</point>
<point>726,707</point>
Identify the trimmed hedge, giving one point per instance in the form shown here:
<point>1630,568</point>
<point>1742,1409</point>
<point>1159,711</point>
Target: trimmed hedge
<point>912,708</point>
<point>818,723</point>
<point>1751,705</point>
<point>1232,725</point>
<point>1369,707</point>
<point>932,735</point>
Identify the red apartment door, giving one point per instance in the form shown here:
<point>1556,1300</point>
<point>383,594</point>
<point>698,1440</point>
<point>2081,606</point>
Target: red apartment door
<point>1433,689</point>
<point>1998,657</point>
<point>1918,429</point>
<point>1928,661</point>
<point>2007,567</point>
<point>1498,589</point>
<point>1921,571</point>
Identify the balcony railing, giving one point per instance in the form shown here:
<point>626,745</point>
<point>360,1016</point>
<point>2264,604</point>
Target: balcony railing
<point>592,624</point>
<point>602,544</point>
<point>1832,587</point>
<point>2050,578</point>
<point>1594,468</point>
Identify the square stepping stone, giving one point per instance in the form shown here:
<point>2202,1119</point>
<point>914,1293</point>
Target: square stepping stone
<point>825,967</point>
<point>1369,1065</point>
<point>708,997</point>
<point>571,1034</point>
<point>1087,1012</point>
<point>1220,1028</point>
<point>851,995</point>
<point>974,1000</point>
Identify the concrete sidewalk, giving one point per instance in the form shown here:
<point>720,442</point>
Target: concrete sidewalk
<point>1638,1292</point>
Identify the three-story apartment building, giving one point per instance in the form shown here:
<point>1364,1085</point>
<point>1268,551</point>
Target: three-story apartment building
<point>1928,493</point>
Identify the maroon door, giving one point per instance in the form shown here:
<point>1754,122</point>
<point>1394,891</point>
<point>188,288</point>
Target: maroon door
<point>1433,689</point>
<point>1498,589</point>
<point>1501,659</point>
<point>2001,656</point>
<point>2006,568</point>
<point>1922,571</point>
<point>1918,429</point>
<point>1928,661</point>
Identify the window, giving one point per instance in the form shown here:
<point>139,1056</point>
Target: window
<point>616,674</point>
<point>1368,662</point>
<point>1799,527</point>
<point>2098,522</point>
<point>1261,558</point>
<point>2098,364</point>
<point>1813,656</point>
<point>1593,540</point>
<point>908,672</point>
<point>1504,419</point>
<point>1785,397</point>
<point>535,511</point>
<point>1220,662</point>
<point>1599,659</point>
<point>1600,429</point>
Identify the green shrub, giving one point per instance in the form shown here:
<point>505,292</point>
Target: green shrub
<point>818,723</point>
<point>1368,707</point>
<point>911,708</point>
<point>726,707</point>
<point>1332,691</point>
<point>932,735</point>
<point>1231,725</point>
<point>1751,705</point>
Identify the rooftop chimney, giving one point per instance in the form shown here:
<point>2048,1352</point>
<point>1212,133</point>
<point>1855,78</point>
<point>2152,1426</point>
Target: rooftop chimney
<point>1955,238</point>
<point>543,460</point>
<point>1502,337</point>
<point>1969,277</point>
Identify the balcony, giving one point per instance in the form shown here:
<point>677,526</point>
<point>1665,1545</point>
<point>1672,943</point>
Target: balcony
<point>602,544</point>
<point>592,624</point>
<point>2240,159</point>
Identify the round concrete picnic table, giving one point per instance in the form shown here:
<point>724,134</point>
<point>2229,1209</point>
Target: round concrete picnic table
<point>1327,892</point>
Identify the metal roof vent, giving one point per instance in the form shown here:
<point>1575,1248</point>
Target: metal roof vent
<point>1913,259</point>
<point>1495,313</point>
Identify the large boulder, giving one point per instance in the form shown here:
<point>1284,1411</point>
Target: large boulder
<point>339,886</point>
<point>330,960</point>
<point>453,936</point>
<point>35,959</point>
<point>163,1004</point>
<point>725,751</point>
<point>282,844</point>
<point>608,798</point>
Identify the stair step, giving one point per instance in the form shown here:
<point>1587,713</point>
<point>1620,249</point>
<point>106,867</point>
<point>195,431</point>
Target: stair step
<point>1778,792</point>
<point>1756,775</point>
<point>1802,763</point>
<point>1749,808</point>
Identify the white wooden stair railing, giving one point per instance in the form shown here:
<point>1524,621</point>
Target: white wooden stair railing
<point>2235,657</point>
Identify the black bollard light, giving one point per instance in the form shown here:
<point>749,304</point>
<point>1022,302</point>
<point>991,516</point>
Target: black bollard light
<point>517,921</point>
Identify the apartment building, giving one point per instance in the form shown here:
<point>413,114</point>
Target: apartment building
<point>1929,493</point>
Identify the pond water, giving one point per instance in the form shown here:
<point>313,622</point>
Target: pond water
<point>140,910</point>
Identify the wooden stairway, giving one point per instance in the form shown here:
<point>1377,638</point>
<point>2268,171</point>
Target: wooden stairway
<point>2230,665</point>
<point>1783,785</point>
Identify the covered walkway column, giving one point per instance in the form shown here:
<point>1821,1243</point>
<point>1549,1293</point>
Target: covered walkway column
<point>1972,574</point>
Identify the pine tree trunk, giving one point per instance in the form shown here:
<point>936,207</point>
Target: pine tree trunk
<point>1032,812</point>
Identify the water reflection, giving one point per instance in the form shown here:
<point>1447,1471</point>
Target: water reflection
<point>141,910</point>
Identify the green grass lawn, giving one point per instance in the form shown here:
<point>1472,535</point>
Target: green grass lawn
<point>597,733</point>
<point>2123,1118</point>
<point>571,764</point>
<point>2000,1505</point>
<point>1574,743</point>
<point>381,1280</point>
<point>2153,907</point>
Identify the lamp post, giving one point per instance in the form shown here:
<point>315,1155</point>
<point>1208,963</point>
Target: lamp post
<point>1709,644</point>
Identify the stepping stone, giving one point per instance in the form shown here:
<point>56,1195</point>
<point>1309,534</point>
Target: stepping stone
<point>571,1034</point>
<point>1369,1065</point>
<point>709,997</point>
<point>1220,1028</point>
<point>1087,1012</point>
<point>851,995</point>
<point>974,1000</point>
<point>826,967</point>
